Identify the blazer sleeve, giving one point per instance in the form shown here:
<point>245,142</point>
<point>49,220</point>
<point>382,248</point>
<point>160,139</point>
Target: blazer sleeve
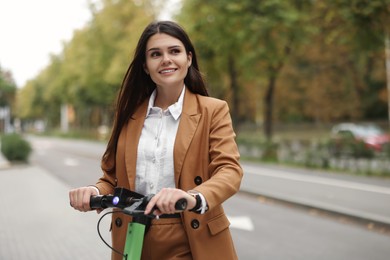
<point>225,172</point>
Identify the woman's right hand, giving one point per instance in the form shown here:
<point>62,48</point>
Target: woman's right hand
<point>79,198</point>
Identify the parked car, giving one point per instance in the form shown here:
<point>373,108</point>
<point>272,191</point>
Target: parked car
<point>373,137</point>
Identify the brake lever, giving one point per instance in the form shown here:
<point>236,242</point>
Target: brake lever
<point>135,209</point>
<point>138,208</point>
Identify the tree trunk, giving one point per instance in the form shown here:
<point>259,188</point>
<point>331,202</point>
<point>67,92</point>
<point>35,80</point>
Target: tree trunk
<point>268,107</point>
<point>387,51</point>
<point>234,89</point>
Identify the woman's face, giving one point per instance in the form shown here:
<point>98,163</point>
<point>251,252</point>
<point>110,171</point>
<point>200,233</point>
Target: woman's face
<point>167,61</point>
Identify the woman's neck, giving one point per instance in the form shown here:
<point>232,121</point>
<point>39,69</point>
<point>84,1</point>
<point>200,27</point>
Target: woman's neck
<point>167,96</point>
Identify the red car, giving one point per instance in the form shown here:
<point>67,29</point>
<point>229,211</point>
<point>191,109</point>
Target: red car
<point>372,135</point>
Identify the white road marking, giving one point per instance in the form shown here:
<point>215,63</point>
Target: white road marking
<point>241,222</point>
<point>319,180</point>
<point>71,162</point>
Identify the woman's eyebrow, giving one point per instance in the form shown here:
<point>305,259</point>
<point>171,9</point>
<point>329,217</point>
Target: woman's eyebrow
<point>157,49</point>
<point>153,49</point>
<point>174,46</point>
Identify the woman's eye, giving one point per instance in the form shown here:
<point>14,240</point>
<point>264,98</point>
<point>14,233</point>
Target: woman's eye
<point>155,54</point>
<point>175,51</point>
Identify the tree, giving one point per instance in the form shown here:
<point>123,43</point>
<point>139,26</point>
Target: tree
<point>7,88</point>
<point>251,39</point>
<point>88,72</point>
<point>281,26</point>
<point>370,21</point>
<point>7,97</point>
<point>213,27</point>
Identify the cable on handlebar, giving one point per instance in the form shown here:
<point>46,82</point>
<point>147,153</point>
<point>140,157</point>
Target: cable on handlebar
<point>101,237</point>
<point>130,203</point>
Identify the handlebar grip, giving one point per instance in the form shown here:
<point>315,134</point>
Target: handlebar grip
<point>181,204</point>
<point>101,201</point>
<point>95,202</point>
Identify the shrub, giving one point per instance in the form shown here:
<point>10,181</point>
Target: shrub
<point>270,152</point>
<point>15,148</point>
<point>386,150</point>
<point>362,151</point>
<point>350,147</point>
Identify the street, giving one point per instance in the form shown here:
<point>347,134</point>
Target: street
<point>262,228</point>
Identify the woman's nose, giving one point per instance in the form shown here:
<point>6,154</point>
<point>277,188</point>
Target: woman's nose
<point>166,58</point>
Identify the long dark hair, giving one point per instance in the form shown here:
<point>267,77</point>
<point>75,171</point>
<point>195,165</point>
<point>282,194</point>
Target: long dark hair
<point>137,85</point>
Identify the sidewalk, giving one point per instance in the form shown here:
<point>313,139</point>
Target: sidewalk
<point>38,223</point>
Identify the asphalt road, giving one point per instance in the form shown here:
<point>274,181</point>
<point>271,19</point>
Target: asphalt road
<point>367,198</point>
<point>262,228</point>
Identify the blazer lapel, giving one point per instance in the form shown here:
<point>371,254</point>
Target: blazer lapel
<point>133,134</point>
<point>188,124</point>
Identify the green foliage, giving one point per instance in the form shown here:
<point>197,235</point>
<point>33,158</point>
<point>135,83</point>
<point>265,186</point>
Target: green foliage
<point>7,88</point>
<point>349,146</point>
<point>257,38</point>
<point>270,152</point>
<point>88,72</point>
<point>317,52</point>
<point>258,148</point>
<point>15,148</point>
<point>272,60</point>
<point>315,152</point>
<point>386,150</point>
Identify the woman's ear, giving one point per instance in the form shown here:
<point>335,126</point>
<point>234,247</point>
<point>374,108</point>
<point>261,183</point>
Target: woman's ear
<point>189,58</point>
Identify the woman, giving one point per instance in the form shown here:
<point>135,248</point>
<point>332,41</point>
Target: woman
<point>170,139</point>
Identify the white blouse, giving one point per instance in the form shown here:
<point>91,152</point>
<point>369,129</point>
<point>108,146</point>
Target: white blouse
<point>155,168</point>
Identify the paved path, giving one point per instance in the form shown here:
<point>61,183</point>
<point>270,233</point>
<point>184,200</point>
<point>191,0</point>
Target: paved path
<point>37,223</point>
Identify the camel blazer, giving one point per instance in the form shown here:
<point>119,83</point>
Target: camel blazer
<point>206,159</point>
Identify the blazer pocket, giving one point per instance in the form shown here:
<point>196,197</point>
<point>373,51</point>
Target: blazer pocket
<point>218,224</point>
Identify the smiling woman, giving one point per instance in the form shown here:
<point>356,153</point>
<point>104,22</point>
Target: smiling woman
<point>167,63</point>
<point>172,140</point>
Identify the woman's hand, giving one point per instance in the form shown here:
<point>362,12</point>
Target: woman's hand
<point>166,199</point>
<point>80,197</point>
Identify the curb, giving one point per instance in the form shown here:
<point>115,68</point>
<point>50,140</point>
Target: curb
<point>356,215</point>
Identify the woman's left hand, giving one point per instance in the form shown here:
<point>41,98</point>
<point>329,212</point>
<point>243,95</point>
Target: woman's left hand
<point>166,199</point>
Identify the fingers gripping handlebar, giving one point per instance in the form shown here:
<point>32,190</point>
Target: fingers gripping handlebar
<point>131,202</point>
<point>122,198</point>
